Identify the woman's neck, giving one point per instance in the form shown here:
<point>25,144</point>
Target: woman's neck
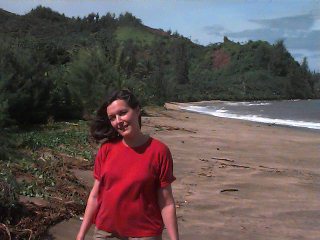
<point>135,141</point>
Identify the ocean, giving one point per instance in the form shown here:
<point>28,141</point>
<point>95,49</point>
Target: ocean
<point>293,113</point>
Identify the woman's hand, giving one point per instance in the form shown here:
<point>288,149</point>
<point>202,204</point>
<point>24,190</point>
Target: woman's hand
<point>168,211</point>
<point>90,211</point>
<point>80,237</point>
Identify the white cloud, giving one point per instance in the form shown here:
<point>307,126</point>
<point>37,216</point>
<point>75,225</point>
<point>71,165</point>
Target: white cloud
<point>215,29</point>
<point>293,23</point>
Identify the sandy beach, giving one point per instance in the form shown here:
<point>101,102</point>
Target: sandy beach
<point>235,179</point>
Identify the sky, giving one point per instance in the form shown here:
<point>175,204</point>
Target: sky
<point>297,22</point>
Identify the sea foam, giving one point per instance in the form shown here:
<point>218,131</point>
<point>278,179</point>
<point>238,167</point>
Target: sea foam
<point>254,118</point>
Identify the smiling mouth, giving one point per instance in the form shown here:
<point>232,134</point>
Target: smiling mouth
<point>123,128</point>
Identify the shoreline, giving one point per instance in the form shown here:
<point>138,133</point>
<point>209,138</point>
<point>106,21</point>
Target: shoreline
<point>235,179</point>
<point>242,179</point>
<point>180,107</point>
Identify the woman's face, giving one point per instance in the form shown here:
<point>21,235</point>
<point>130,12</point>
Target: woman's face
<point>123,118</point>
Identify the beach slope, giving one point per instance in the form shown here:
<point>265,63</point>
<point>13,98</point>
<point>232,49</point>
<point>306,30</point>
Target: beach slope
<point>236,179</point>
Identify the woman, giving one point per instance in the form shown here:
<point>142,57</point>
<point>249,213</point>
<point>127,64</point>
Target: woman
<point>131,197</point>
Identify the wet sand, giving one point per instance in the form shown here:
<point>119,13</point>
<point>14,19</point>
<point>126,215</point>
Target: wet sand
<point>235,179</point>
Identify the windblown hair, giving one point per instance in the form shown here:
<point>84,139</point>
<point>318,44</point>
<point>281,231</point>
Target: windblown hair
<point>101,128</point>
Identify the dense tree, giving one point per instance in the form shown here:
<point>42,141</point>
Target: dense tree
<point>127,58</point>
<point>90,75</point>
<point>52,66</point>
<point>128,18</point>
<point>157,77</point>
<point>46,13</point>
<point>25,83</point>
<point>181,61</point>
<point>280,59</point>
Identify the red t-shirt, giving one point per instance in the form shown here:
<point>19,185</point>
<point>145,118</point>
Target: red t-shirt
<point>129,180</point>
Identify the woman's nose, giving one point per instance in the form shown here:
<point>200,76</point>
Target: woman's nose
<point>118,118</point>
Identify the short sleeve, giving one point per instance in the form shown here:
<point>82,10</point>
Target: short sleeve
<point>101,155</point>
<point>166,176</point>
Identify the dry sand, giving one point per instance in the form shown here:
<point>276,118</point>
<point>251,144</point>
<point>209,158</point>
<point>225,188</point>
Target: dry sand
<point>235,179</point>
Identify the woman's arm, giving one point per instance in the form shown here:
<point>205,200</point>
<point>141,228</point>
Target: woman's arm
<point>168,211</point>
<point>90,211</point>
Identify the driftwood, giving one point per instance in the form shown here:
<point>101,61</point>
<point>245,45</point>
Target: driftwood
<point>229,160</point>
<point>235,165</point>
<point>271,168</point>
<point>229,190</point>
<point>204,160</point>
<point>168,128</point>
<point>222,159</point>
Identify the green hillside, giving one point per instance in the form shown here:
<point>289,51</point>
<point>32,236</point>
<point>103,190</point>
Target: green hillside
<point>57,67</point>
<point>137,34</point>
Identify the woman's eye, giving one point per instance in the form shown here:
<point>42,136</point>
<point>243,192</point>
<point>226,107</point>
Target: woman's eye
<point>111,118</point>
<point>122,113</point>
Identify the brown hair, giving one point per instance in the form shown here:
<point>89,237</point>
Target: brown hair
<point>101,128</point>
